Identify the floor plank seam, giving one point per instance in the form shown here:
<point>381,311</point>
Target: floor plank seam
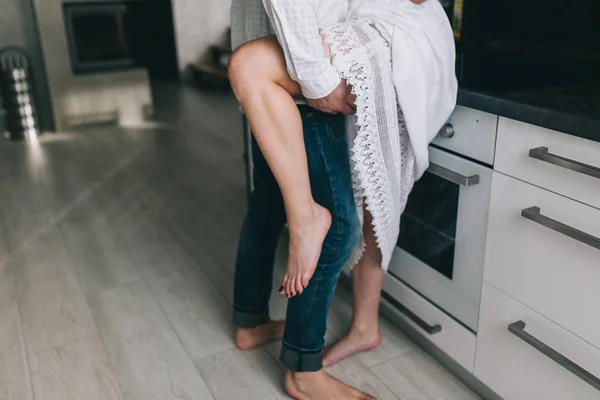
<point>65,212</point>
<point>170,324</point>
<point>208,277</point>
<point>87,302</point>
<point>25,345</point>
<point>404,354</point>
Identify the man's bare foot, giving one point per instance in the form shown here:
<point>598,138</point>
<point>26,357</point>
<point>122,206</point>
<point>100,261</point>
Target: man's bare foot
<point>306,240</point>
<point>320,386</point>
<point>354,342</point>
<point>250,339</point>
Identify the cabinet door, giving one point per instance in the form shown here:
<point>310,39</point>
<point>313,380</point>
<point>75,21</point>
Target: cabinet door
<point>561,163</point>
<point>447,334</point>
<point>511,365</point>
<point>530,255</point>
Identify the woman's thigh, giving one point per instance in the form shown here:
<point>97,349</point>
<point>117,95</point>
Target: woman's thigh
<point>259,60</point>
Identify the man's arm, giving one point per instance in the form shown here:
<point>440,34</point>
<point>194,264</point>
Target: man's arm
<point>296,26</point>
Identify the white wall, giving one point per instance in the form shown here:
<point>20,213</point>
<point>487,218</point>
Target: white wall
<point>86,97</point>
<point>198,24</point>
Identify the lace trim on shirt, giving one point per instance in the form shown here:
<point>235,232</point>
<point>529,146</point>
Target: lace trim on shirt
<point>369,174</point>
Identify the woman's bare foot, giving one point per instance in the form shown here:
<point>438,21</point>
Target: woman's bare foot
<point>320,386</point>
<point>250,339</point>
<point>306,240</point>
<point>354,342</point>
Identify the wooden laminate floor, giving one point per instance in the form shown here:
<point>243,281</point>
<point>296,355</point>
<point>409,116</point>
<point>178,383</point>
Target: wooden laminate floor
<point>117,251</point>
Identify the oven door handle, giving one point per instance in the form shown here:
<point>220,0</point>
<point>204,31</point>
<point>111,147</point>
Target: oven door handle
<point>428,329</point>
<point>452,176</point>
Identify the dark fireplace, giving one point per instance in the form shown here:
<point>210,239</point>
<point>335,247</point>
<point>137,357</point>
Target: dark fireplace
<point>100,36</point>
<point>117,35</point>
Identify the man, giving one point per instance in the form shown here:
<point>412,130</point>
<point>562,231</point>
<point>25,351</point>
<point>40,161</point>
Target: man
<point>331,185</point>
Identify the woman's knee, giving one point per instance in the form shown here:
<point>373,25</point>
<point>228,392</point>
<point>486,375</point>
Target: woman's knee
<point>241,66</point>
<point>251,64</point>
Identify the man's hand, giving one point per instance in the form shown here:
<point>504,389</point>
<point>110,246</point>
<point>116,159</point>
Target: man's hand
<point>341,100</point>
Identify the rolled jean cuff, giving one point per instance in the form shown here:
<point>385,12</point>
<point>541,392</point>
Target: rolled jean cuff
<point>246,320</point>
<point>301,361</point>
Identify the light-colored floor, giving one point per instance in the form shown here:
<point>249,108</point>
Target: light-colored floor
<point>117,252</point>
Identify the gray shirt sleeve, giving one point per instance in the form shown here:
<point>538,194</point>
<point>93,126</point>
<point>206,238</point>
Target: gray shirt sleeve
<point>249,21</point>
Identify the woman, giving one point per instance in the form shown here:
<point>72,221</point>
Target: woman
<point>389,151</point>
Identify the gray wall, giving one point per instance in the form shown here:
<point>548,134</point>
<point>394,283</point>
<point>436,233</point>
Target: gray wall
<point>18,28</point>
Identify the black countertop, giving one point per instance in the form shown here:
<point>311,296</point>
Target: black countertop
<point>575,111</point>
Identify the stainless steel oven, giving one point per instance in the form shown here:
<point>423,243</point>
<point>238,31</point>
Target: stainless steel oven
<point>441,247</point>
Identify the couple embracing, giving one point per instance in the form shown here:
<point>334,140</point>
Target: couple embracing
<point>343,98</point>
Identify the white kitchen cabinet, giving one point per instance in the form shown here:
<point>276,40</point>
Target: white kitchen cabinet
<point>556,275</point>
<point>561,163</point>
<point>513,368</point>
<point>447,334</point>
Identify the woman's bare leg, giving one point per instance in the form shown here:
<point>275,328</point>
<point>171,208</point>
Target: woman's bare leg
<point>263,87</point>
<point>367,281</point>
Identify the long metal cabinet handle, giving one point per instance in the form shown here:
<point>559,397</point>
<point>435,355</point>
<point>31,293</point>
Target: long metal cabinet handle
<point>541,153</point>
<point>534,214</point>
<point>429,329</point>
<point>453,176</point>
<point>518,329</point>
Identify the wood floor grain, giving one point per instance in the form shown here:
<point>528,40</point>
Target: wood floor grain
<point>355,373</point>
<point>24,208</point>
<point>75,371</point>
<point>237,375</point>
<point>415,375</point>
<point>150,361</point>
<point>15,381</point>
<point>219,272</point>
<point>52,303</point>
<point>200,316</point>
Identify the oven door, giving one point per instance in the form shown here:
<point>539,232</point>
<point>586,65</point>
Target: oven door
<point>441,247</point>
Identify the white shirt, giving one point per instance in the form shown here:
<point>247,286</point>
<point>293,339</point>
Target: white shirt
<point>423,52</point>
<point>296,24</point>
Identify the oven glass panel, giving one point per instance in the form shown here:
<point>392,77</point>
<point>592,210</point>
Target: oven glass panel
<point>428,225</point>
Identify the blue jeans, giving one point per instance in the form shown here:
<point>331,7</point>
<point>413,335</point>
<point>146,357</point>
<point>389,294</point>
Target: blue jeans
<point>331,184</point>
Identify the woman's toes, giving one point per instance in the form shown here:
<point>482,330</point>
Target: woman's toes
<point>299,288</point>
<point>305,280</point>
<point>284,283</point>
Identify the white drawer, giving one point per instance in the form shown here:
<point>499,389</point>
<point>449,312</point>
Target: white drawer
<point>515,369</point>
<point>554,274</point>
<point>474,134</point>
<point>517,139</point>
<point>447,334</point>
